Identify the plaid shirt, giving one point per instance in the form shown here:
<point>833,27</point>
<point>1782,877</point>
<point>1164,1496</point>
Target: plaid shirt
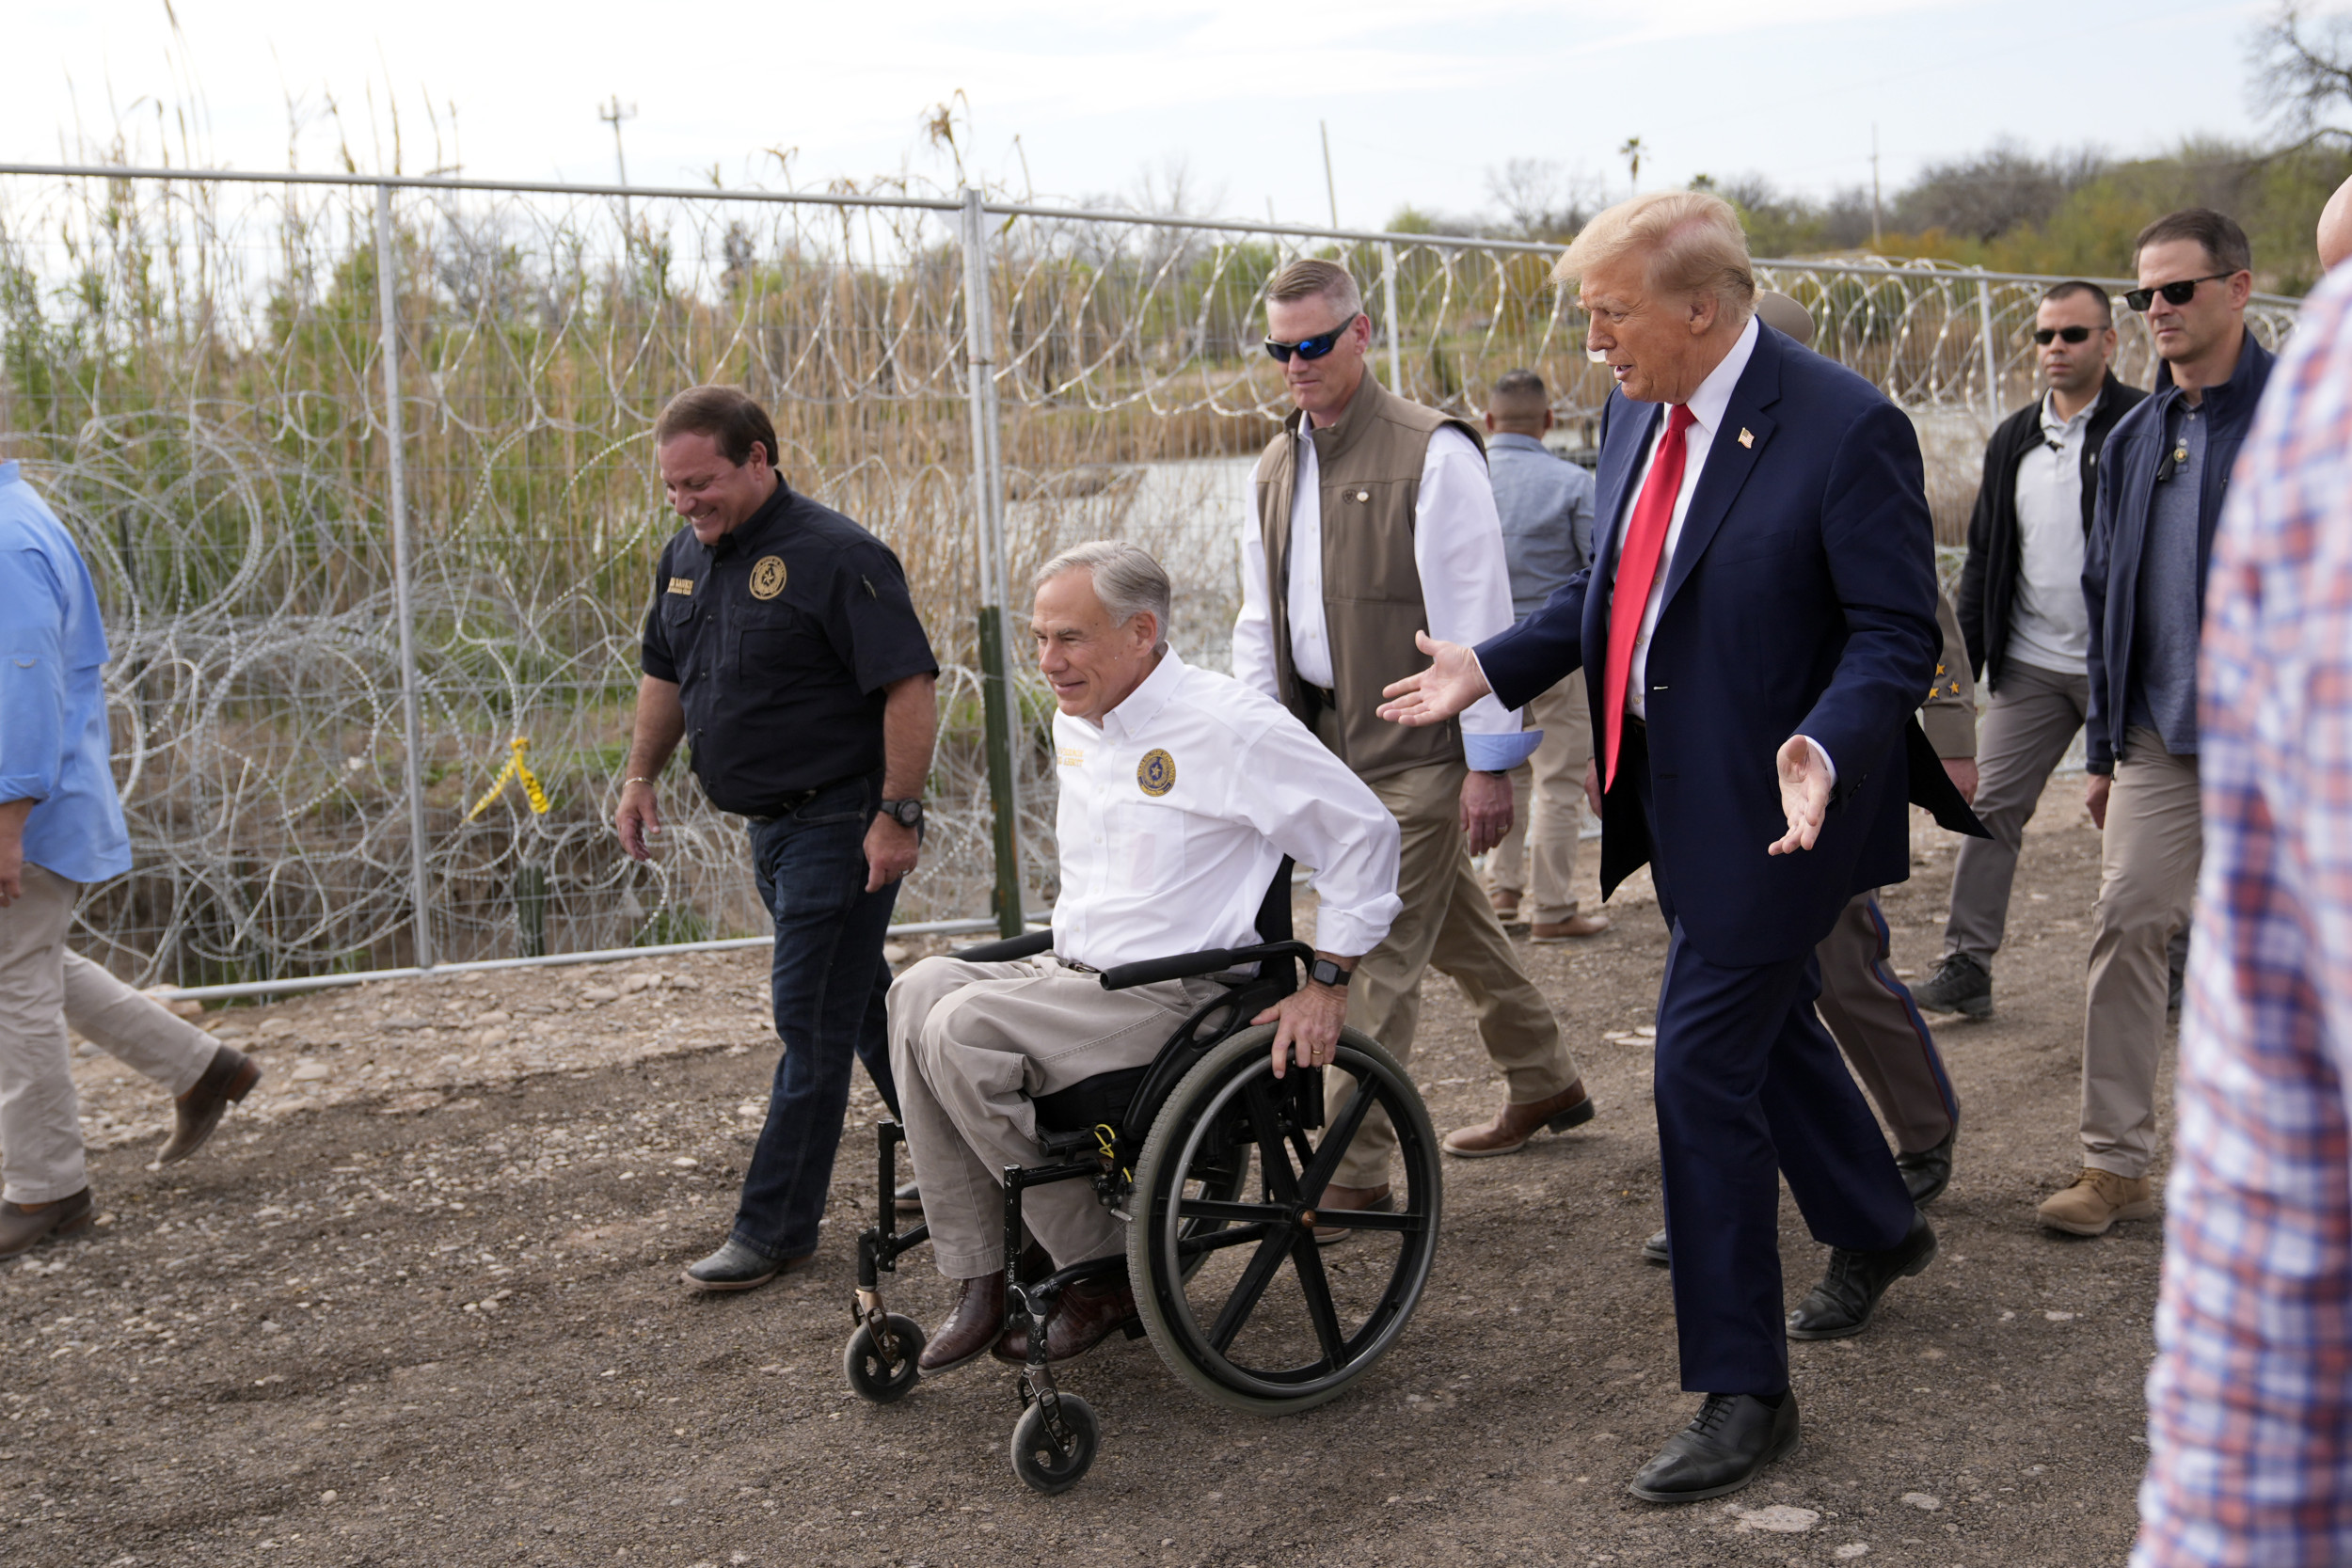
<point>2250,1399</point>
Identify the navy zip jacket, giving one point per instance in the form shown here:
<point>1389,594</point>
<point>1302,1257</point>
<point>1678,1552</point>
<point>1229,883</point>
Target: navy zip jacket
<point>2119,530</point>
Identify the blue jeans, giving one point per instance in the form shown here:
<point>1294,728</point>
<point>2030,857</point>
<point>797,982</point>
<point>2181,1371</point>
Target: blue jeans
<point>829,981</point>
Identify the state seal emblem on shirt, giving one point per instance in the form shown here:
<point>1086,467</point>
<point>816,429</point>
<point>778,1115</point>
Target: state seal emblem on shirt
<point>1156,774</point>
<point>767,576</point>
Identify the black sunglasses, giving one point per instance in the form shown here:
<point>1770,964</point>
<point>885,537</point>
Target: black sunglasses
<point>2072,334</point>
<point>2174,294</point>
<point>1311,348</point>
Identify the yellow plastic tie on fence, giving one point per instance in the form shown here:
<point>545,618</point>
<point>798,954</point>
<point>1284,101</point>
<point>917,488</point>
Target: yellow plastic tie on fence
<point>515,768</point>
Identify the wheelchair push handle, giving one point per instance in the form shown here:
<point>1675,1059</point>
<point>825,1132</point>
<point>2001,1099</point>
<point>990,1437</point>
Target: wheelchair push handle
<point>1213,960</point>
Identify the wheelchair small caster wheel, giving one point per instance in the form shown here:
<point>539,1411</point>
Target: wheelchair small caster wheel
<point>1034,1459</point>
<point>879,1377</point>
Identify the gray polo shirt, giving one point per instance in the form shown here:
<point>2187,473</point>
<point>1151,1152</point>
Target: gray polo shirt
<point>2163,691</point>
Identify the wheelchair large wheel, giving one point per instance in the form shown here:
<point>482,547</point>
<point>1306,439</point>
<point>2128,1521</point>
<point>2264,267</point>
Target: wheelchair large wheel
<point>1233,1291</point>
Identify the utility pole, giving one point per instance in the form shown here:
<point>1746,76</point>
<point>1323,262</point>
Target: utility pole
<point>612,114</point>
<point>1329,189</point>
<point>1874,185</point>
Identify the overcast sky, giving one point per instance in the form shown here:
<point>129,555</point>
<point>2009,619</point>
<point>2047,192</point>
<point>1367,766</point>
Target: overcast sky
<point>1418,109</point>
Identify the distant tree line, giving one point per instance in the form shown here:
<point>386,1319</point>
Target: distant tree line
<point>2012,209</point>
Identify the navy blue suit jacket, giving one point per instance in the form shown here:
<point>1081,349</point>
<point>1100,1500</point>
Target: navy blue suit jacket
<point>1801,600</point>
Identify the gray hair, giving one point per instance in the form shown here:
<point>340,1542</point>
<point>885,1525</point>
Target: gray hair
<point>1126,579</point>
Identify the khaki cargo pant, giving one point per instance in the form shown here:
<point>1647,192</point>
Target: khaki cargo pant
<point>1547,808</point>
<point>1446,925</point>
<point>970,1045</point>
<point>43,987</point>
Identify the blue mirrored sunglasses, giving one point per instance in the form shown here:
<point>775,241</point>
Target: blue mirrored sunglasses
<point>1311,348</point>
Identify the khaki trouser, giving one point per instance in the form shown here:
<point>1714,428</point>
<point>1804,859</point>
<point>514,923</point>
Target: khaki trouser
<point>970,1045</point>
<point>2147,885</point>
<point>1547,807</point>
<point>1446,925</point>
<point>2031,719</point>
<point>42,988</point>
<point>1871,1015</point>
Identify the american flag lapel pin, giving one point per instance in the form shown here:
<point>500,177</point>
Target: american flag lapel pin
<point>1746,439</point>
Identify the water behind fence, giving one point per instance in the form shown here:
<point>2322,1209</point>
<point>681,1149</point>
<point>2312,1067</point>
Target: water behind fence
<point>194,369</point>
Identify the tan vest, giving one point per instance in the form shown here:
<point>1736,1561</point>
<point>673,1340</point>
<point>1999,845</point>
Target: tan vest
<point>1368,468</point>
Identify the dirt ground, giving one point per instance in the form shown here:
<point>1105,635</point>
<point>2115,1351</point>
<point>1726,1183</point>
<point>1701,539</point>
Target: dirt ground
<point>419,1305</point>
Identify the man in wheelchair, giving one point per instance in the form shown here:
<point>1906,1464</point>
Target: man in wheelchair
<point>1181,791</point>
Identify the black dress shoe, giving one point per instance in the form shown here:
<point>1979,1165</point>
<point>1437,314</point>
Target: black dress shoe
<point>1731,1438</point>
<point>1653,1251</point>
<point>1930,1171</point>
<point>1842,1303</point>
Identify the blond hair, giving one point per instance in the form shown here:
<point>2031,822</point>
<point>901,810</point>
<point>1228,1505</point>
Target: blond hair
<point>1311,279</point>
<point>1690,243</point>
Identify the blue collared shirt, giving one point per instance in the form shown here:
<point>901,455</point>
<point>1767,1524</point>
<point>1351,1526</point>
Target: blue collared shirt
<point>1546,506</point>
<point>53,750</point>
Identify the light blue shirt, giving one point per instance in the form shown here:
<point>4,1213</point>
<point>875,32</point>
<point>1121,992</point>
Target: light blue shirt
<point>53,750</point>
<point>1546,506</point>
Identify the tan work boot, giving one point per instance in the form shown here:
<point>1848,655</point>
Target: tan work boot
<point>2096,1200</point>
<point>1506,905</point>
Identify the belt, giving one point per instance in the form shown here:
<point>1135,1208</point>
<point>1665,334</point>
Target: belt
<point>793,802</point>
<point>1074,964</point>
<point>1323,695</point>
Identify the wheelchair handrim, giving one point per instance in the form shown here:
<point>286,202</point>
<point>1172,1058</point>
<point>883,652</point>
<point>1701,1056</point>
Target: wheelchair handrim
<point>1320,1379</point>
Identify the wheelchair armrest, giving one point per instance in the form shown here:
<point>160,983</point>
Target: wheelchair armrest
<point>1183,965</point>
<point>1028,944</point>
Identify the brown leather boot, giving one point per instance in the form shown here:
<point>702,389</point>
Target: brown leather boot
<point>1336,1196</point>
<point>194,1114</point>
<point>974,1323</point>
<point>1514,1124</point>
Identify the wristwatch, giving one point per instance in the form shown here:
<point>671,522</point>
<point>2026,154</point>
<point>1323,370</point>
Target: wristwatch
<point>1323,972</point>
<point>907,814</point>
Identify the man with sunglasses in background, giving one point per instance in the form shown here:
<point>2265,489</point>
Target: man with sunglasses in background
<point>2022,612</point>
<point>2160,493</point>
<point>1372,519</point>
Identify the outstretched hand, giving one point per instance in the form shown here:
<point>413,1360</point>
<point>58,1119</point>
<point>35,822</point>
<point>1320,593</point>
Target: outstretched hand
<point>1451,684</point>
<point>1803,795</point>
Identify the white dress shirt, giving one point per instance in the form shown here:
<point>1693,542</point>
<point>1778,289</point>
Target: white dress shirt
<point>1176,810</point>
<point>2049,624</point>
<point>1465,585</point>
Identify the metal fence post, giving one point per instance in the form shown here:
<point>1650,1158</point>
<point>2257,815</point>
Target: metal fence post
<point>1992,363</point>
<point>988,496</point>
<point>1387,304</point>
<point>387,296</point>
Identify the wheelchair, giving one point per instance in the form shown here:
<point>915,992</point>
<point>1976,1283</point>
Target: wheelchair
<point>1208,1158</point>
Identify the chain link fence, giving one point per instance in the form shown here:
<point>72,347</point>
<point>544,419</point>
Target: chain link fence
<point>194,369</point>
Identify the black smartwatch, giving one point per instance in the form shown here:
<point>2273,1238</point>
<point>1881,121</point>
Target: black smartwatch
<point>907,814</point>
<point>1323,972</point>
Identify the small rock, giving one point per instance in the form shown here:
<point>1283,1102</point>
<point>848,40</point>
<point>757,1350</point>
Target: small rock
<point>1926,1502</point>
<point>277,1028</point>
<point>487,1037</point>
<point>686,1161</point>
<point>1851,1549</point>
<point>328,1495</point>
<point>168,998</point>
<point>681,982</point>
<point>635,983</point>
<point>86,1049</point>
<point>1779,1519</point>
<point>2059,1316</point>
<point>598,995</point>
<point>893,953</point>
<point>484,1020</point>
<point>311,1072</point>
<point>403,1023</point>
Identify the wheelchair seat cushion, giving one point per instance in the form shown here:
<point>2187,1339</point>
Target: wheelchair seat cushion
<point>1102,1098</point>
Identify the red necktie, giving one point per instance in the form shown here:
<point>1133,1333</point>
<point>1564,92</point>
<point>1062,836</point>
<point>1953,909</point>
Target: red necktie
<point>1637,568</point>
